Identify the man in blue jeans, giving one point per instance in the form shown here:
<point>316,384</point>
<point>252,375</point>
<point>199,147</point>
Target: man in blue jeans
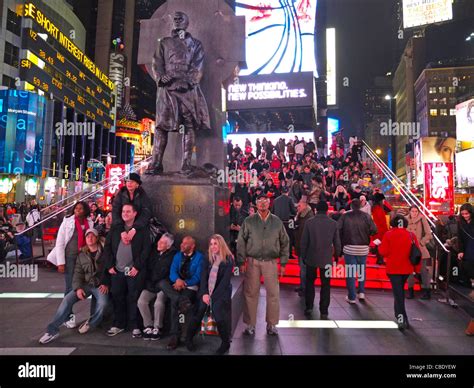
<point>90,278</point>
<point>355,228</point>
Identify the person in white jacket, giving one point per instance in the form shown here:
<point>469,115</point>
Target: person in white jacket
<point>32,218</point>
<point>70,240</point>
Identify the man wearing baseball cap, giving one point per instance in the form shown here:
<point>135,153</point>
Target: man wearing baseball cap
<point>90,278</point>
<point>262,240</point>
<point>134,194</point>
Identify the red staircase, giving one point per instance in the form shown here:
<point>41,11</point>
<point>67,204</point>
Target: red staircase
<point>376,275</point>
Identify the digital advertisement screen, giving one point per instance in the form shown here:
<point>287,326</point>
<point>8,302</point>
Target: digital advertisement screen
<point>465,121</point>
<point>41,48</point>
<point>22,121</point>
<point>439,187</point>
<point>271,91</point>
<point>48,84</point>
<point>421,12</point>
<point>464,170</point>
<point>333,127</point>
<point>280,35</point>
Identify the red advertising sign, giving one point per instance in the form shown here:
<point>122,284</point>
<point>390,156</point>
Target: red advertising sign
<point>439,188</point>
<point>114,175</point>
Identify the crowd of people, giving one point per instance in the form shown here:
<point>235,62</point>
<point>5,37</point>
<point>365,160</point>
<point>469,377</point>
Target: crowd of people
<point>318,209</point>
<point>15,218</point>
<point>332,205</point>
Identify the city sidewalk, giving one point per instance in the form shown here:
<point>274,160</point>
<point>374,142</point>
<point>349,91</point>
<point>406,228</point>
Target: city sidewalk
<point>436,328</point>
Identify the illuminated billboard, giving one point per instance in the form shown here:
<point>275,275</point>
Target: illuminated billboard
<point>331,65</point>
<point>422,12</point>
<point>465,121</point>
<point>55,65</point>
<point>280,36</point>
<point>271,91</point>
<point>333,127</point>
<point>22,121</point>
<point>464,170</point>
<point>432,149</point>
<point>439,188</point>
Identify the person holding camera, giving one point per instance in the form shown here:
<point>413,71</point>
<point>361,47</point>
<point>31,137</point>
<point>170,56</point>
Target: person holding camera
<point>11,242</point>
<point>126,263</point>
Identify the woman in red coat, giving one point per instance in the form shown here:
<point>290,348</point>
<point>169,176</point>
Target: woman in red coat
<point>395,248</point>
<point>379,211</point>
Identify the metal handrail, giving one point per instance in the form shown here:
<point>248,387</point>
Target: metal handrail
<point>96,183</point>
<point>66,207</point>
<point>407,195</point>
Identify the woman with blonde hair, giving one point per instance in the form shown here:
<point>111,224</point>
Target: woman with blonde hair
<point>215,293</point>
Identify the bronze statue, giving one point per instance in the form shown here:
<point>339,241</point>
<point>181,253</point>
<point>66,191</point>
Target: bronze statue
<point>180,103</point>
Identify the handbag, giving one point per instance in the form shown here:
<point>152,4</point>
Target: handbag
<point>208,324</point>
<point>415,252</point>
<point>430,245</point>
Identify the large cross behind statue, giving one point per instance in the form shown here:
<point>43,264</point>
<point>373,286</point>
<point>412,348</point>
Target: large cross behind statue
<point>223,37</point>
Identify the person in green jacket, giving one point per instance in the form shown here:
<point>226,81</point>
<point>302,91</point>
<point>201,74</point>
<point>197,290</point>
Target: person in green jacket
<point>262,240</point>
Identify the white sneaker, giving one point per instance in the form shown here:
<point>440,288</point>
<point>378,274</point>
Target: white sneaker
<point>71,323</point>
<point>361,296</point>
<point>84,328</point>
<point>136,333</point>
<point>350,300</point>
<point>46,338</point>
<point>114,331</point>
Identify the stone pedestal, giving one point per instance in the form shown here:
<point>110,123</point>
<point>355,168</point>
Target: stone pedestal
<point>195,207</point>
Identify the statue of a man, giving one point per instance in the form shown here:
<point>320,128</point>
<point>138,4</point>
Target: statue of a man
<point>180,103</point>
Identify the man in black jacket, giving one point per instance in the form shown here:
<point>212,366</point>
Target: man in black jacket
<point>355,228</point>
<point>126,262</point>
<point>237,216</point>
<point>158,268</point>
<point>319,243</point>
<point>132,193</point>
<point>284,208</point>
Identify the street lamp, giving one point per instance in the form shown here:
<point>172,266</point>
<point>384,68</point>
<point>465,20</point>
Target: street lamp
<point>388,97</point>
<point>378,151</point>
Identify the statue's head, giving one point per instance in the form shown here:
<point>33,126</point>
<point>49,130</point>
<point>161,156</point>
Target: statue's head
<point>180,21</point>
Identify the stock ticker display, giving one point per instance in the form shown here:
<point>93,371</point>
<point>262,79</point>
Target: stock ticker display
<point>55,65</point>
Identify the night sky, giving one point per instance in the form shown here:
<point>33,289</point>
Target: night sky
<point>365,48</point>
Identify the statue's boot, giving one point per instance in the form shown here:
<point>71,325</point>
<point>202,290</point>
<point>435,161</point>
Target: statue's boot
<point>189,140</point>
<point>159,146</point>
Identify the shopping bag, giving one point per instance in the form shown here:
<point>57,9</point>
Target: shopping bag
<point>208,324</point>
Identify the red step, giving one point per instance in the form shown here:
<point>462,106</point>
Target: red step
<point>376,275</point>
